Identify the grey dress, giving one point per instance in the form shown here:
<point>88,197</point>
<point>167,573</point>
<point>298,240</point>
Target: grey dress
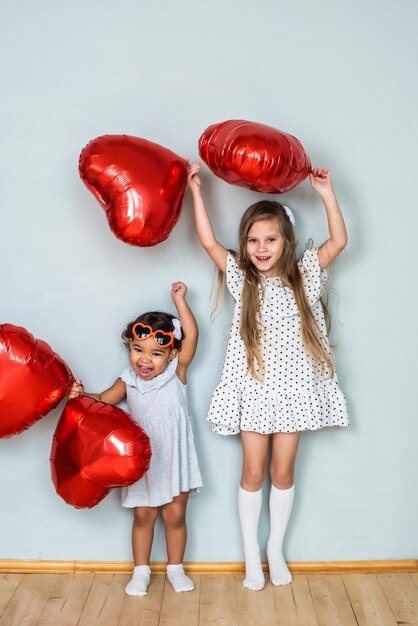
<point>159,406</point>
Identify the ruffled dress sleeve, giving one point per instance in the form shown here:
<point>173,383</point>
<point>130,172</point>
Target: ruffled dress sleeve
<point>314,279</point>
<point>128,376</point>
<point>234,277</point>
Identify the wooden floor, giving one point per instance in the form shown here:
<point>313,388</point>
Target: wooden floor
<point>314,600</point>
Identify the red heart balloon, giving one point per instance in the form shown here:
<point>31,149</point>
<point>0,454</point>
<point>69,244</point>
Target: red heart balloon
<point>96,447</point>
<point>33,378</point>
<point>140,185</point>
<point>253,155</point>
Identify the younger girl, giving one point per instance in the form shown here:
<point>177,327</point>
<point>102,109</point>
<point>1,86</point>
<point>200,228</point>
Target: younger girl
<point>278,378</point>
<point>160,349</point>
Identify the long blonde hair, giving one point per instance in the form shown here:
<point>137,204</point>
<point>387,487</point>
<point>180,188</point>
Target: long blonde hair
<point>250,328</point>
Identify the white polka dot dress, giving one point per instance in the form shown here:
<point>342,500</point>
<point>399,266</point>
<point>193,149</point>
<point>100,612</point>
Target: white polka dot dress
<point>296,393</point>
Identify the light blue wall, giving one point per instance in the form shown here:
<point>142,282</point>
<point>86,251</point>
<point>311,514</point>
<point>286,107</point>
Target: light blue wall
<point>338,75</point>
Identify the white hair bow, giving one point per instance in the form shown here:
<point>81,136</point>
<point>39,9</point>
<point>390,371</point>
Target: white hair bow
<point>177,328</point>
<point>289,214</point>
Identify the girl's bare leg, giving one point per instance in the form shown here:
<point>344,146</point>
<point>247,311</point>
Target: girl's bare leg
<point>174,516</point>
<point>254,460</point>
<point>283,457</point>
<point>142,536</point>
<point>143,533</point>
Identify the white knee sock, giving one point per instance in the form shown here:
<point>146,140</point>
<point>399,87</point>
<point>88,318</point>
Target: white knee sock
<point>281,502</point>
<point>178,579</point>
<point>249,507</point>
<point>139,582</point>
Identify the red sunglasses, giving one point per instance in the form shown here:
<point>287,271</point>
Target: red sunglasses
<point>143,331</point>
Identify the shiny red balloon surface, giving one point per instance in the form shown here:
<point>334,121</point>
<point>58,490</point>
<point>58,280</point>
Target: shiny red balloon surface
<point>140,185</point>
<point>254,155</point>
<point>96,447</point>
<point>33,379</point>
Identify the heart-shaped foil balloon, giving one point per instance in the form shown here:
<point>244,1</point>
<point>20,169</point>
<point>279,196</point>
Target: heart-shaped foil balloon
<point>254,155</point>
<point>96,447</point>
<point>33,379</point>
<point>140,185</point>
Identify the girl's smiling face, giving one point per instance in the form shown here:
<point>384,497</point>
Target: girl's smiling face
<point>147,359</point>
<point>265,246</point>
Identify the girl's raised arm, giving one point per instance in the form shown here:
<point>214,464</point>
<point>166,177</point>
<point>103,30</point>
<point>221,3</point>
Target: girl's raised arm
<point>215,250</point>
<point>189,326</point>
<point>322,183</point>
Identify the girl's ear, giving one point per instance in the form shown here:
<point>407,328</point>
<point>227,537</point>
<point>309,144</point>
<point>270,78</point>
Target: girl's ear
<point>173,353</point>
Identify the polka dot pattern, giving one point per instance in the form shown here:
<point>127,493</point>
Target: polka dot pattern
<point>297,393</point>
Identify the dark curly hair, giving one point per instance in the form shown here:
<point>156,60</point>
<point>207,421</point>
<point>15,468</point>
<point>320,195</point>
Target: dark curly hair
<point>158,320</point>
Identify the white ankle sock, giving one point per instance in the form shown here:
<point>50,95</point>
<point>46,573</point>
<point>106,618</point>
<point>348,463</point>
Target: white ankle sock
<point>249,507</point>
<point>139,582</point>
<point>178,579</point>
<point>281,502</point>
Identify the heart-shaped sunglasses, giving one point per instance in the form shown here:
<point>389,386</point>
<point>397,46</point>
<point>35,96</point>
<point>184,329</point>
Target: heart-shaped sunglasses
<point>143,331</point>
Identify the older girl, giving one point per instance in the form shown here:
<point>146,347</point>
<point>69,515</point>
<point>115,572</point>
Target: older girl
<point>278,378</point>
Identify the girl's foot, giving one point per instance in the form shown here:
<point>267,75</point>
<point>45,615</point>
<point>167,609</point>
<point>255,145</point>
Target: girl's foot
<point>178,579</point>
<point>279,573</point>
<point>254,585</point>
<point>139,582</point>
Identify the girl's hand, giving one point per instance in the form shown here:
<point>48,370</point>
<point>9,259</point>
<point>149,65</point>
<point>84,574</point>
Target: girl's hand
<point>193,181</point>
<point>321,181</point>
<point>178,291</point>
<point>76,390</point>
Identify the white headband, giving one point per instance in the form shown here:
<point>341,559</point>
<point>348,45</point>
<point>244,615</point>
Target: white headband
<point>177,328</point>
<point>289,214</point>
